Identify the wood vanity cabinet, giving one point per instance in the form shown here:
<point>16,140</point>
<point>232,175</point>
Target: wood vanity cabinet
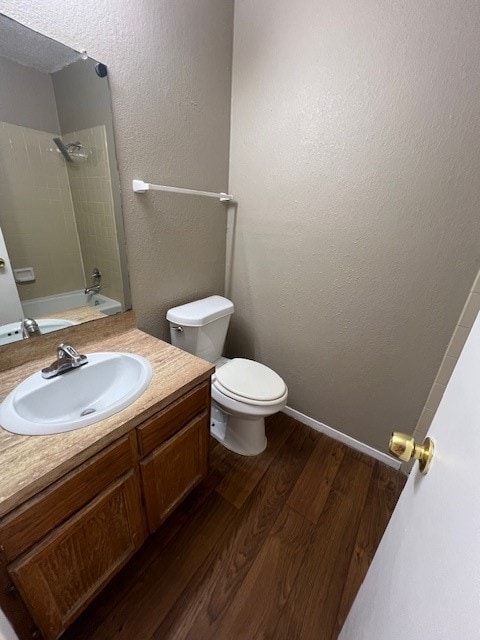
<point>58,577</point>
<point>174,446</point>
<point>173,469</point>
<point>61,547</point>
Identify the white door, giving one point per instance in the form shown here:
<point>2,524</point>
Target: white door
<point>424,581</point>
<point>10,306</point>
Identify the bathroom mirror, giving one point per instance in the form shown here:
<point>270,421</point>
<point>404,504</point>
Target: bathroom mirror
<point>60,209</point>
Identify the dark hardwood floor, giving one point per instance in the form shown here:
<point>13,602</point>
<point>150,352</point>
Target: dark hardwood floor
<point>274,546</point>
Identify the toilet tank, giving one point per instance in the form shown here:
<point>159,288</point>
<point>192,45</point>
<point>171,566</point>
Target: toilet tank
<point>200,327</point>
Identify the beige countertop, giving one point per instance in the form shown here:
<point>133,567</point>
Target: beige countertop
<point>28,464</point>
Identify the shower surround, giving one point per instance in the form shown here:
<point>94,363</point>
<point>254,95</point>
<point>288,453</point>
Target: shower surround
<point>57,220</point>
<point>36,212</point>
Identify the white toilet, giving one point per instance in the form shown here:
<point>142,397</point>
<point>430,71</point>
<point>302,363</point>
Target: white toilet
<point>244,392</point>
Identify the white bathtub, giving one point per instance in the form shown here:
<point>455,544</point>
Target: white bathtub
<point>39,307</point>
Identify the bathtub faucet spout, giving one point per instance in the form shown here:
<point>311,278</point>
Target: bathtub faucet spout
<point>96,282</point>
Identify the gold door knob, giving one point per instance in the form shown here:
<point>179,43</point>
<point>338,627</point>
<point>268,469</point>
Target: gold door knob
<point>405,448</point>
<point>2,263</point>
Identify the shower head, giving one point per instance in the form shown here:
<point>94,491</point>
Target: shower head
<point>63,149</point>
<point>73,151</point>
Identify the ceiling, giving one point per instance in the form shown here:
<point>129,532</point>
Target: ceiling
<point>32,49</point>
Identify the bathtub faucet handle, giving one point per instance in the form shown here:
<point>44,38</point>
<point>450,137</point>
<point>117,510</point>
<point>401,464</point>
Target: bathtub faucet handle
<point>96,282</point>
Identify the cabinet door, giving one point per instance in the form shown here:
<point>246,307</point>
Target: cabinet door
<point>58,577</point>
<point>158,429</point>
<point>32,521</point>
<point>173,469</point>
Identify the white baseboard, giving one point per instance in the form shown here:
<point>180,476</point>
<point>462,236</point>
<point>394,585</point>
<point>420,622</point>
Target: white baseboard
<point>342,437</point>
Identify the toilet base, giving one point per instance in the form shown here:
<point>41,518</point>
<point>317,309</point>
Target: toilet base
<point>245,437</point>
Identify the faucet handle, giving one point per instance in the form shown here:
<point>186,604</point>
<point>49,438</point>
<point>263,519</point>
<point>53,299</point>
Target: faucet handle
<point>65,350</point>
<point>68,358</point>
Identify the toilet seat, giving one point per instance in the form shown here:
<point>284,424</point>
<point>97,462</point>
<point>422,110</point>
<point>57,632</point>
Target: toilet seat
<point>245,401</point>
<point>250,382</point>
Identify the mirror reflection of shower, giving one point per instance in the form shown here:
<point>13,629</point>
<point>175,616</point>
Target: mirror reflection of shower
<point>60,206</point>
<point>72,151</point>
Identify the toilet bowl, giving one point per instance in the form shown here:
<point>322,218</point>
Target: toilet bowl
<point>244,392</point>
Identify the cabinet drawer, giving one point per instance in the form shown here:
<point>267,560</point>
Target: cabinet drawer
<point>28,524</point>
<point>155,431</point>
<point>173,469</point>
<point>58,577</point>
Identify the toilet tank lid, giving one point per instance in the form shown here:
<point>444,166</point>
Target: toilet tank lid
<point>200,312</point>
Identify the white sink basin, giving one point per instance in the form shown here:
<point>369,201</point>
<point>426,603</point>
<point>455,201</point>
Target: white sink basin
<point>108,383</point>
<point>12,332</point>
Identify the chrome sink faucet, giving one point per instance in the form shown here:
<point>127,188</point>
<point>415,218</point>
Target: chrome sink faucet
<point>29,328</point>
<point>68,358</point>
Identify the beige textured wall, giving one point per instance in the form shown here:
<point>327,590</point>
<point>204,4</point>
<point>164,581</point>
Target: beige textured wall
<point>354,159</point>
<point>36,212</point>
<point>450,359</point>
<point>92,197</point>
<point>169,71</point>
